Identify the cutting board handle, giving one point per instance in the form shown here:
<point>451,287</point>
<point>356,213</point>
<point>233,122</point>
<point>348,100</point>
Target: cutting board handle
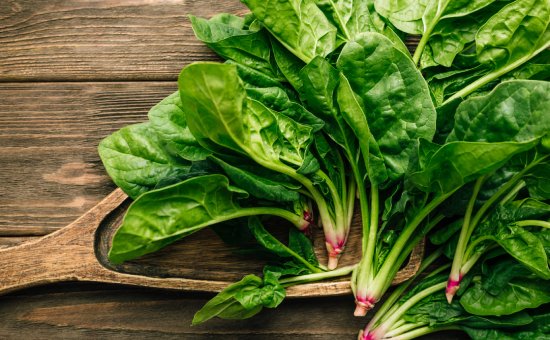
<point>70,254</point>
<point>65,255</point>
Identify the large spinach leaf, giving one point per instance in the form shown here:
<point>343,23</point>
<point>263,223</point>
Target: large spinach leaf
<point>393,95</point>
<point>230,37</point>
<point>298,24</point>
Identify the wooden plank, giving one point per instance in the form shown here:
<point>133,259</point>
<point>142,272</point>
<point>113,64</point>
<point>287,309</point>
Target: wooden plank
<point>49,167</point>
<point>6,242</point>
<point>102,40</point>
<point>92,312</point>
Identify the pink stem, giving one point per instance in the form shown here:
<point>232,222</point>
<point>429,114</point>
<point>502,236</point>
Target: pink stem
<point>363,305</point>
<point>453,284</point>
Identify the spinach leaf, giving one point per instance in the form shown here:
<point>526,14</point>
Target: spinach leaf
<point>516,295</point>
<point>271,243</point>
<point>513,111</point>
<point>160,217</point>
<point>264,187</point>
<point>137,161</point>
<point>298,24</point>
<point>393,95</point>
<point>464,162</point>
<point>227,35</point>
<point>302,246</point>
<point>243,299</point>
<point>168,122</point>
<point>501,45</point>
<point>217,107</point>
<point>163,216</point>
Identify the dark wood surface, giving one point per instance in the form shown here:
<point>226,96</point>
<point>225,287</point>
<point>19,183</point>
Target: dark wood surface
<point>71,72</point>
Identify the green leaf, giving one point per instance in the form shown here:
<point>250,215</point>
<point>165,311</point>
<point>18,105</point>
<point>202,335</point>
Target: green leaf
<point>406,15</point>
<point>217,107</point>
<point>272,244</point>
<point>227,35</point>
<point>393,94</point>
<point>137,161</point>
<point>514,111</point>
<point>302,246</point>
<point>517,295</point>
<point>538,181</point>
<point>537,329</point>
<point>520,243</point>
<point>288,63</point>
<point>457,163</point>
<point>160,217</point>
<point>269,296</point>
<point>169,123</point>
<point>225,306</point>
<point>298,24</point>
<point>213,97</point>
<point>526,21</point>
<point>257,185</point>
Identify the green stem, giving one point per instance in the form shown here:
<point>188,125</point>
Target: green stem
<point>470,262</point>
<point>367,269</point>
<point>427,33</point>
<point>407,327</point>
<point>291,281</point>
<point>422,331</point>
<point>503,190</point>
<point>408,249</point>
<point>394,258</point>
<point>298,221</point>
<point>322,206</point>
<point>382,312</point>
<point>533,223</point>
<point>351,200</point>
<point>463,238</point>
<point>494,75</point>
<point>402,309</point>
<point>472,246</point>
<point>338,206</point>
<point>513,192</point>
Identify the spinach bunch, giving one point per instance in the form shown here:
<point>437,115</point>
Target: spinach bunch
<point>320,102</point>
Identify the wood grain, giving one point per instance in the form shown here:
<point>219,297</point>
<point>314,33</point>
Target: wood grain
<point>83,311</point>
<point>101,40</point>
<point>49,167</point>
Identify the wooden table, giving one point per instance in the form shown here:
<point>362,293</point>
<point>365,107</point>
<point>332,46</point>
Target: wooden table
<point>72,72</point>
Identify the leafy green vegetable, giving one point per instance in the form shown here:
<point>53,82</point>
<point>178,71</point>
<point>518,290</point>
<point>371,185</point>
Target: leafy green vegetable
<point>243,299</point>
<point>160,217</point>
<point>394,95</point>
<point>137,161</point>
<point>230,37</point>
<point>285,20</point>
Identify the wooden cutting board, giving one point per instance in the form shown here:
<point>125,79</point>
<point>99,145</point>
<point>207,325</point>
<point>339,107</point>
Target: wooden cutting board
<point>78,252</point>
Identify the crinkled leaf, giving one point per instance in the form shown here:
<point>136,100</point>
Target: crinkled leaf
<point>457,163</point>
<point>300,244</point>
<point>227,35</point>
<point>137,161</point>
<point>298,24</point>
<point>168,121</point>
<point>516,296</point>
<point>225,306</point>
<point>514,111</point>
<point>513,33</point>
<point>258,186</point>
<point>393,94</point>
